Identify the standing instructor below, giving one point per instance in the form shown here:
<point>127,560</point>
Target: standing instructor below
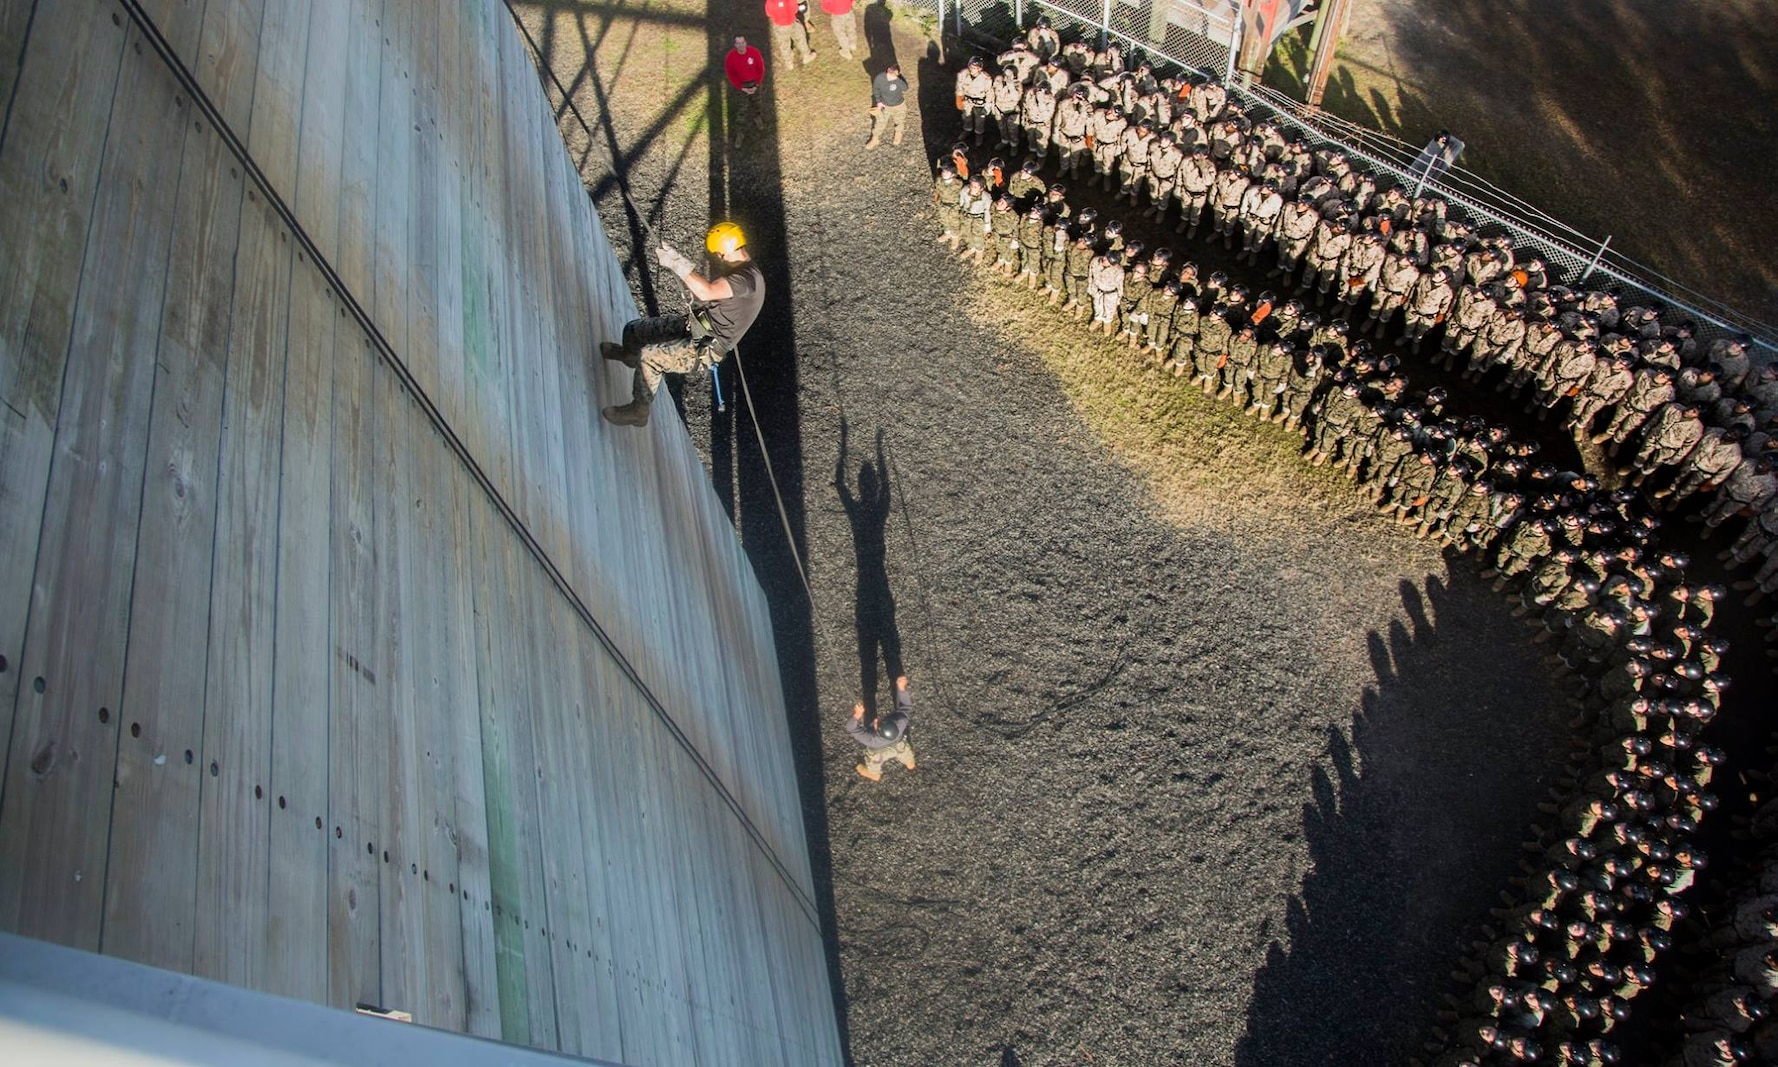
<point>723,306</point>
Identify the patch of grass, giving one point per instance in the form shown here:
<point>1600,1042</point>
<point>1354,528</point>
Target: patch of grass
<point>1204,462</point>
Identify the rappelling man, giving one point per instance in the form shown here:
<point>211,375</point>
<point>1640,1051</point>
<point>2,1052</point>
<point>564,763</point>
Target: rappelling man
<point>724,302</point>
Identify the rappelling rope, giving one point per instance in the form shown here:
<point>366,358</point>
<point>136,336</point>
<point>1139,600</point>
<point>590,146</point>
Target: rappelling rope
<point>765,454</point>
<point>641,217</point>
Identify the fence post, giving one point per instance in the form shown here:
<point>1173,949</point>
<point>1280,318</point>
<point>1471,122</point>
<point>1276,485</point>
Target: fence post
<point>1018,14</point>
<point>1105,26</point>
<point>1235,28</point>
<point>1597,256</point>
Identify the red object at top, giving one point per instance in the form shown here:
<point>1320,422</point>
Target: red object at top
<point>836,7</point>
<point>781,12</point>
<point>744,68</point>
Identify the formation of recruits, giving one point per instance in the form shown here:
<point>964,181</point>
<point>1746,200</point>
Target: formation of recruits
<point>1688,421</point>
<point>1735,980</point>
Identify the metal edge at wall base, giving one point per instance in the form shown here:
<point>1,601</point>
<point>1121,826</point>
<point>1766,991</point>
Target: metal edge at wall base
<point>71,1008</point>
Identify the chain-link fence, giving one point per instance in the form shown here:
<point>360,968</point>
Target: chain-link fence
<point>1203,36</point>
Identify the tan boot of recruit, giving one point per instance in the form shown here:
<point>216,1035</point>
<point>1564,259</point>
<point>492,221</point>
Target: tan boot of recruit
<point>635,413</point>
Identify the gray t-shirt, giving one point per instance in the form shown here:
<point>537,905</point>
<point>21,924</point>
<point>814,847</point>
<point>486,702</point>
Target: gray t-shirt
<point>730,317</point>
<point>891,92</point>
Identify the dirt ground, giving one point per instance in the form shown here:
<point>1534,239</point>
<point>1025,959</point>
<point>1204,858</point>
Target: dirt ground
<point>1642,120</point>
<point>1214,766</point>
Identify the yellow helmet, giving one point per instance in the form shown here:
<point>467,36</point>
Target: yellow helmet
<point>724,237</point>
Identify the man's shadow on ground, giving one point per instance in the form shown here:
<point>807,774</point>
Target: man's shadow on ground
<point>868,512</point>
<point>879,39</point>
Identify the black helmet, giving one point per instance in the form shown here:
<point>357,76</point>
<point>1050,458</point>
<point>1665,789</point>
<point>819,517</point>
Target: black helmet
<point>889,729</point>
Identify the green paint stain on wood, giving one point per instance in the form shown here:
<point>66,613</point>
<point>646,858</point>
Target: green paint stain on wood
<point>476,342</point>
<point>506,884</point>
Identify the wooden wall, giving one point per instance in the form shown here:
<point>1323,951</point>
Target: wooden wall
<point>347,655</point>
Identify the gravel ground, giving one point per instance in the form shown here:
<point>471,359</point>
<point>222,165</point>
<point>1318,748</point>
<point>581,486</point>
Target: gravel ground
<point>1215,767</point>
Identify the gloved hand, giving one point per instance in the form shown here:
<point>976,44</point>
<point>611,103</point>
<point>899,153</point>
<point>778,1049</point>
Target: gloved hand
<point>672,259</point>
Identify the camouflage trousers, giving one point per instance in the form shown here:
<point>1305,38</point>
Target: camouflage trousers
<point>901,752</point>
<point>666,346</point>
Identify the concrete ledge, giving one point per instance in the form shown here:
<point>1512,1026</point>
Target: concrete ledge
<point>68,1007</point>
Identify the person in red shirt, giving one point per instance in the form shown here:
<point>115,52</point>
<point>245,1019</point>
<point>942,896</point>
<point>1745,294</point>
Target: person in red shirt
<point>789,31</point>
<point>845,25</point>
<point>746,70</point>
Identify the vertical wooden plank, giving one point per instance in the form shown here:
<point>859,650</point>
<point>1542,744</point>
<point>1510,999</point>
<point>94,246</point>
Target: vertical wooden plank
<point>440,990</point>
<point>454,142</point>
<point>645,1029</point>
<point>532,907</point>
<point>783,981</point>
<point>321,141</point>
<point>610,813</point>
<point>150,889</point>
<point>296,935</point>
<point>558,718</point>
<point>15,21</point>
<point>666,764</point>
<point>49,168</point>
<point>403,938</point>
<point>355,734</point>
<point>459,647</point>
<point>421,200</point>
<point>272,130</point>
<point>491,373</point>
<point>479,423</point>
<point>54,819</point>
<point>296,930</point>
<point>389,290</point>
<point>498,708</point>
<point>688,906</point>
<point>525,310</point>
<point>228,57</point>
<point>234,846</point>
<point>443,992</point>
<point>180,22</point>
<point>356,241</point>
<point>403,934</point>
<point>588,768</point>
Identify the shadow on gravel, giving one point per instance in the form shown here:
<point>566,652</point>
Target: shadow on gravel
<point>938,107</point>
<point>747,186</point>
<point>874,611</point>
<point>879,38</point>
<point>1348,981</point>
